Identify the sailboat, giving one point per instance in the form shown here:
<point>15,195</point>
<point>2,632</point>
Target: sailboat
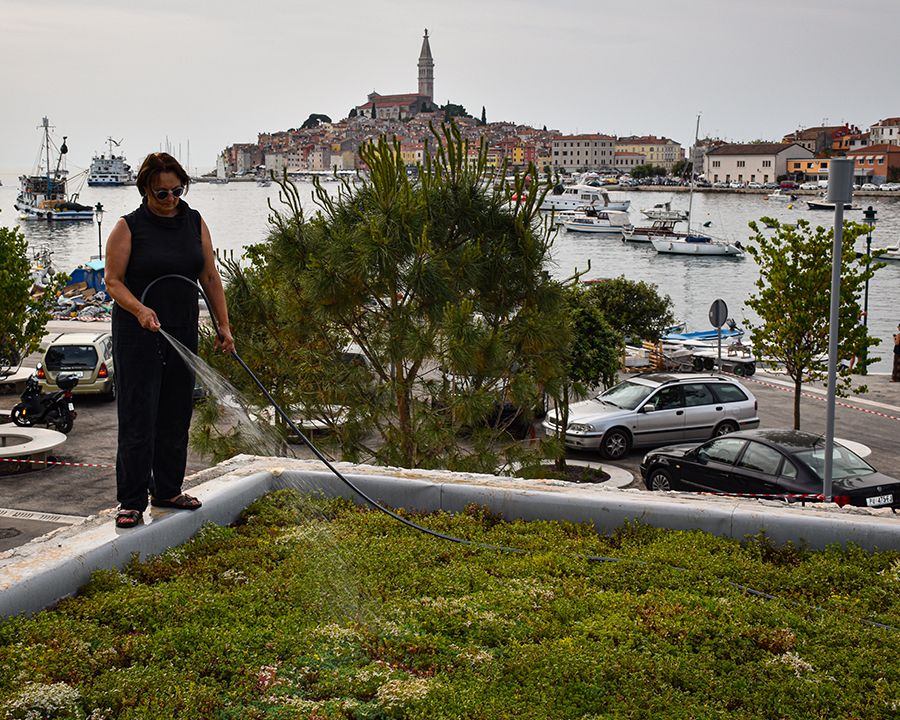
<point>694,243</point>
<point>43,194</point>
<point>221,176</point>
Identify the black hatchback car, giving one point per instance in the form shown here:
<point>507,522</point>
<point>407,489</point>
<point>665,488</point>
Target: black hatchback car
<point>769,462</point>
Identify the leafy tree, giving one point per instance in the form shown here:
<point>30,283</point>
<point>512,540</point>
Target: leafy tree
<point>452,110</point>
<point>314,120</point>
<point>634,308</point>
<point>438,283</point>
<point>352,114</point>
<point>647,170</point>
<point>593,356</point>
<point>793,302</point>
<point>683,168</point>
<point>24,316</point>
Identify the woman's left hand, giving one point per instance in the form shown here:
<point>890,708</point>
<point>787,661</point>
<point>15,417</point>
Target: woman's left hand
<point>224,340</point>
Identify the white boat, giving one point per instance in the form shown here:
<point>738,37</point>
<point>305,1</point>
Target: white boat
<point>110,170</point>
<point>43,194</point>
<point>664,211</point>
<point>659,229</point>
<point>781,195</point>
<point>891,253</point>
<point>608,222</point>
<point>694,243</point>
<point>573,197</point>
<point>825,205</point>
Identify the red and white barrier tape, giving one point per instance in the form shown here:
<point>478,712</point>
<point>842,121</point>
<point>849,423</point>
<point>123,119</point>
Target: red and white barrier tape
<point>816,396</point>
<point>56,462</point>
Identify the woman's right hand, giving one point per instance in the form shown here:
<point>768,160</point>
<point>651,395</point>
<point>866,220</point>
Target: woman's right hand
<point>147,318</point>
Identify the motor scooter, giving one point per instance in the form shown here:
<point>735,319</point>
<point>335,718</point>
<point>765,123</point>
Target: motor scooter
<point>51,409</point>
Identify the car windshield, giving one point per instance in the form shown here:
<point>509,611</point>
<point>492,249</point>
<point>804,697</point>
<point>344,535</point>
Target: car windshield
<point>844,464</point>
<point>628,395</point>
<point>71,357</point>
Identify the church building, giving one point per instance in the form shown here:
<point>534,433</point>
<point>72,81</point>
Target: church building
<point>406,105</point>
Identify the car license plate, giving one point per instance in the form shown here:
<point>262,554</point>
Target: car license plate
<point>879,500</point>
<point>72,407</point>
<point>78,373</point>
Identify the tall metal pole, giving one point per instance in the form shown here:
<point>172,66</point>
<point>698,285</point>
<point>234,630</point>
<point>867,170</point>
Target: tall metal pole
<point>840,191</point>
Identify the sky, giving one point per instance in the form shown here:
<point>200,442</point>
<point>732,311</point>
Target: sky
<point>209,73</point>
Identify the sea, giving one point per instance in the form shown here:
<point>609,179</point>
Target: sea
<point>238,215</point>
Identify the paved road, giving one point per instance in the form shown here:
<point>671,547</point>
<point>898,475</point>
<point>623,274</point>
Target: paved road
<point>26,499</point>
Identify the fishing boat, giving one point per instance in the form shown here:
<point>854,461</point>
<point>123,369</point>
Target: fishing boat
<point>110,170</point>
<point>694,243</point>
<point>664,211</point>
<point>659,229</point>
<point>573,197</point>
<point>43,195</point>
<point>607,222</point>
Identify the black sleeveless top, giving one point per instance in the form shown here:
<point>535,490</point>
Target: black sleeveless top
<point>164,246</point>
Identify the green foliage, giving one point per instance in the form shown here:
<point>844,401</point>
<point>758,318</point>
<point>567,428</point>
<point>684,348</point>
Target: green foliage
<point>314,120</point>
<point>323,610</point>
<point>24,317</point>
<point>648,170</point>
<point>683,168</point>
<point>793,302</point>
<point>634,308</point>
<point>438,285</point>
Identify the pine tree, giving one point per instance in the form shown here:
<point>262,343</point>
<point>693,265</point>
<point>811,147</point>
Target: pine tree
<point>483,116</point>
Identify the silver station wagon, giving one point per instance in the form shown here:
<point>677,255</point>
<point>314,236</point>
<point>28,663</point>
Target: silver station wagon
<point>657,409</point>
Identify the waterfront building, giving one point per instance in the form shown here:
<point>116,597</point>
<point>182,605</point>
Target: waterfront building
<point>876,164</point>
<point>751,162</point>
<point>402,106</point>
<point>577,153</point>
<point>626,161</point>
<point>815,168</point>
<point>886,132</point>
<point>659,151</point>
<point>819,140</point>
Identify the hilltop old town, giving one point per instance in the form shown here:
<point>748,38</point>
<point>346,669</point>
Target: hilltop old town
<point>322,146</point>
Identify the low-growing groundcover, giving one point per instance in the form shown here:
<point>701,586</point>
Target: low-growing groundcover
<point>345,613</point>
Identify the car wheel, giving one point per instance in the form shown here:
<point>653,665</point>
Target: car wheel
<point>616,444</point>
<point>659,479</point>
<point>725,427</point>
<point>19,417</point>
<point>111,394</point>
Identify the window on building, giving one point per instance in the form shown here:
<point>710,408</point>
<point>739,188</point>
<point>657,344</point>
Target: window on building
<point>767,163</point>
<point>741,163</point>
<point>716,163</point>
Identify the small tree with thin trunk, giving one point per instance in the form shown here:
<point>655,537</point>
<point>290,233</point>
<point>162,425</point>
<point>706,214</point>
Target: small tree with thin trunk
<point>793,300</point>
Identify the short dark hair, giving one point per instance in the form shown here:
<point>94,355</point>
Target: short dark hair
<point>156,163</point>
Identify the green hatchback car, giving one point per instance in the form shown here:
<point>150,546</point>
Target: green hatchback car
<point>86,355</point>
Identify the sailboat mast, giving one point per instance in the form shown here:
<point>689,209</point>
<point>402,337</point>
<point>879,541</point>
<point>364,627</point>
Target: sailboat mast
<point>691,194</point>
<point>47,146</point>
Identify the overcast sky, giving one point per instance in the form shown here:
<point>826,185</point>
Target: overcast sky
<point>215,72</point>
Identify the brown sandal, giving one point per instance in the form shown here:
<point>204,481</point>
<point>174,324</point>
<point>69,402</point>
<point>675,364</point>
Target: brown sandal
<point>126,519</point>
<point>179,502</point>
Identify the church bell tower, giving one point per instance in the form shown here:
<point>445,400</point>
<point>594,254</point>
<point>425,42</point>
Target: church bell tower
<point>426,71</point>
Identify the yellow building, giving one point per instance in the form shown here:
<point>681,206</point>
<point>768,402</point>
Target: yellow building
<point>656,151</point>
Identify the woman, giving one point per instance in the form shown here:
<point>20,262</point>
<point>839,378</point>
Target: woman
<point>895,374</point>
<point>155,387</point>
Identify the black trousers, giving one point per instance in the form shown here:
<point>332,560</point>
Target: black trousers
<point>155,403</point>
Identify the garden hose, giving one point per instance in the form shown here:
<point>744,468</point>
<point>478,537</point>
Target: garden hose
<point>421,528</point>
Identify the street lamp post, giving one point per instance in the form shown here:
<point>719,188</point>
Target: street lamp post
<point>98,213</point>
<point>870,215</point>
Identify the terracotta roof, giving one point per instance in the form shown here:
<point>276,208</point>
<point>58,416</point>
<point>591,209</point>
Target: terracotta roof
<point>875,149</point>
<point>750,149</point>
<point>889,121</point>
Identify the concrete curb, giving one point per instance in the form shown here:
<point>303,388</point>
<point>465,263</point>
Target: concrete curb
<point>41,573</point>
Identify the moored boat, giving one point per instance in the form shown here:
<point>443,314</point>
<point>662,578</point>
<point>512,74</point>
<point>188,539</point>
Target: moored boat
<point>659,229</point>
<point>573,197</point>
<point>825,205</point>
<point>780,195</point>
<point>110,170</point>
<point>664,211</point>
<point>43,195</point>
<point>607,222</point>
<point>693,244</point>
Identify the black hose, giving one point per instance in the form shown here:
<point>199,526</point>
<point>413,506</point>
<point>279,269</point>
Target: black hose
<point>421,528</point>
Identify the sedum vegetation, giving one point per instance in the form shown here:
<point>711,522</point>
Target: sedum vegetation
<point>331,611</point>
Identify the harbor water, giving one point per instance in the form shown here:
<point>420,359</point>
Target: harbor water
<point>237,214</point>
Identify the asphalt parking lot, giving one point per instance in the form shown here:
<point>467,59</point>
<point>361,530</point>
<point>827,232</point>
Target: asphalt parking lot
<point>32,503</point>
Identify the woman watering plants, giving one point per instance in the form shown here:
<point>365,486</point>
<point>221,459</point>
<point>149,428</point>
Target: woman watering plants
<point>164,236</point>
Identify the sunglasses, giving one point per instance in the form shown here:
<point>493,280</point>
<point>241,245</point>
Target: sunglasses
<point>163,194</point>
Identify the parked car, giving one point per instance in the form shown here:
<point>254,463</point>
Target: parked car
<point>788,185</point>
<point>735,185</point>
<point>769,462</point>
<point>88,356</point>
<point>869,186</point>
<point>754,185</point>
<point>890,187</point>
<point>656,409</point>
<point>809,186</point>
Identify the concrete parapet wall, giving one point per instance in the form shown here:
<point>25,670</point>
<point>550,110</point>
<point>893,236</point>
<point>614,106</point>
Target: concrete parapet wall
<point>39,574</point>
